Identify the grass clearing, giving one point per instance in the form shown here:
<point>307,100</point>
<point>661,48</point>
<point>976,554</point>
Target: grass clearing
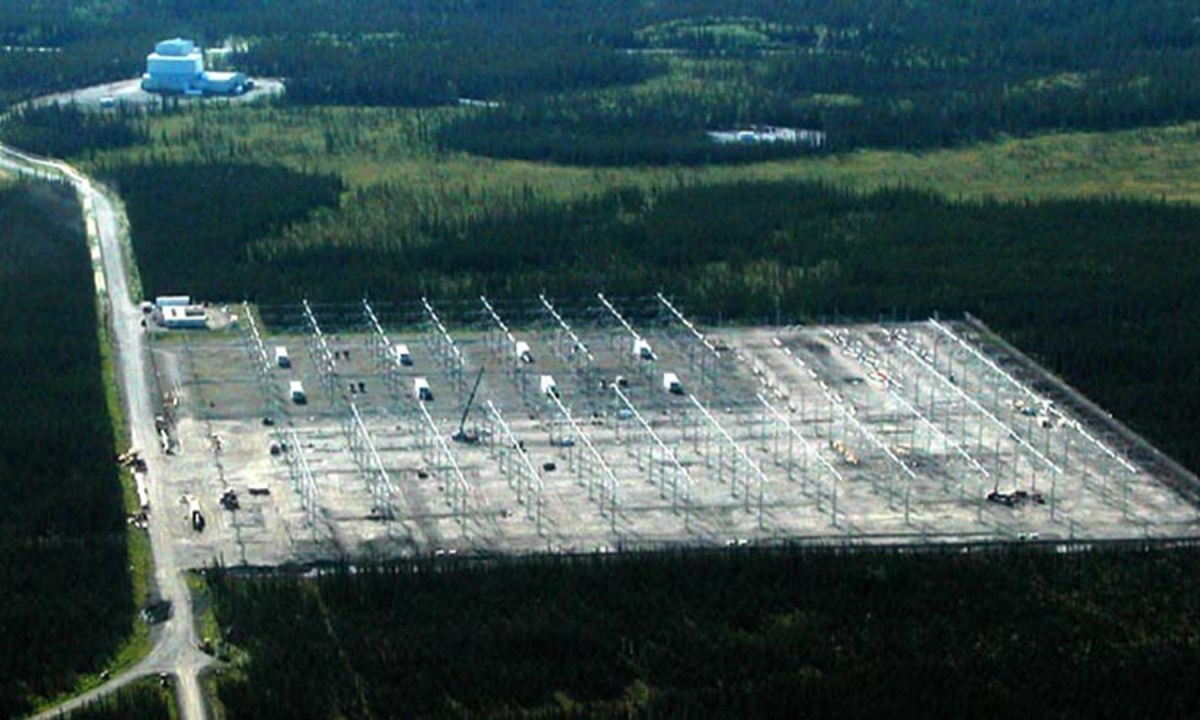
<point>372,146</point>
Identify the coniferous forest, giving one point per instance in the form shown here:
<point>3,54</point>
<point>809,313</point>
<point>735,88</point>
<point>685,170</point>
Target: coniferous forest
<point>626,81</point>
<point>66,603</point>
<point>773,633</point>
<point>144,700</point>
<point>411,101</point>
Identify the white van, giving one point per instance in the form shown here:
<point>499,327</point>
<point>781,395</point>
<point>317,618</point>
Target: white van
<point>422,390</point>
<point>296,391</point>
<point>524,354</point>
<point>671,384</point>
<point>281,357</point>
<point>548,386</point>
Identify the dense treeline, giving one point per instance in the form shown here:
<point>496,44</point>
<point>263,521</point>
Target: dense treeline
<point>66,604</point>
<point>192,224</point>
<point>141,701</point>
<point>775,633</point>
<point>65,130</point>
<point>1104,291</point>
<point>373,52</point>
<point>54,45</point>
<point>571,74</point>
<point>26,74</point>
<point>489,62</point>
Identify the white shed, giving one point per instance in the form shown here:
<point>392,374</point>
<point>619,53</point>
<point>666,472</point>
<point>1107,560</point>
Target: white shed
<point>163,301</point>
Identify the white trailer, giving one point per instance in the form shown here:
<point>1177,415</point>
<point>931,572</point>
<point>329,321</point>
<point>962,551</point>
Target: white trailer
<point>143,490</point>
<point>296,392</point>
<point>163,301</point>
<point>422,390</point>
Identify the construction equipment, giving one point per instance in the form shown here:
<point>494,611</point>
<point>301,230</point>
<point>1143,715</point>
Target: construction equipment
<point>132,460</point>
<point>229,500</point>
<point>1016,498</point>
<point>463,435</point>
<point>842,449</point>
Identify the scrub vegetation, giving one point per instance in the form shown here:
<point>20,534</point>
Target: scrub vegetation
<point>67,606</point>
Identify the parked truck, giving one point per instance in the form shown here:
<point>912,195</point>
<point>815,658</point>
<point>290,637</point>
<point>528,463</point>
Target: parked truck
<point>422,390</point>
<point>194,515</point>
<point>296,392</point>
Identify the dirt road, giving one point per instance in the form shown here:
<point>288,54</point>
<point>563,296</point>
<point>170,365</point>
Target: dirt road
<point>175,650</point>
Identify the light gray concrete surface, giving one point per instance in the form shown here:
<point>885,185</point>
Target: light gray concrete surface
<point>864,433</point>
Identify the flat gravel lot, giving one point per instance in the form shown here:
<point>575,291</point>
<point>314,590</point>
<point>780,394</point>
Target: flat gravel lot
<point>130,93</point>
<point>862,434</point>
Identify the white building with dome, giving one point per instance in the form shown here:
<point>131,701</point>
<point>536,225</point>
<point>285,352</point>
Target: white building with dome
<point>176,67</point>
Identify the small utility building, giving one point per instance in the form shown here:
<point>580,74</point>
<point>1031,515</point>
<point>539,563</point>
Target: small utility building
<point>175,317</point>
<point>177,67</point>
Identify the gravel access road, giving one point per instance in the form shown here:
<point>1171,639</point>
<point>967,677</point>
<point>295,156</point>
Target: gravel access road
<point>175,649</point>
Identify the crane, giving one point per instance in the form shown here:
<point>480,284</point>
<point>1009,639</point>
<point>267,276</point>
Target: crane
<point>462,435</point>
